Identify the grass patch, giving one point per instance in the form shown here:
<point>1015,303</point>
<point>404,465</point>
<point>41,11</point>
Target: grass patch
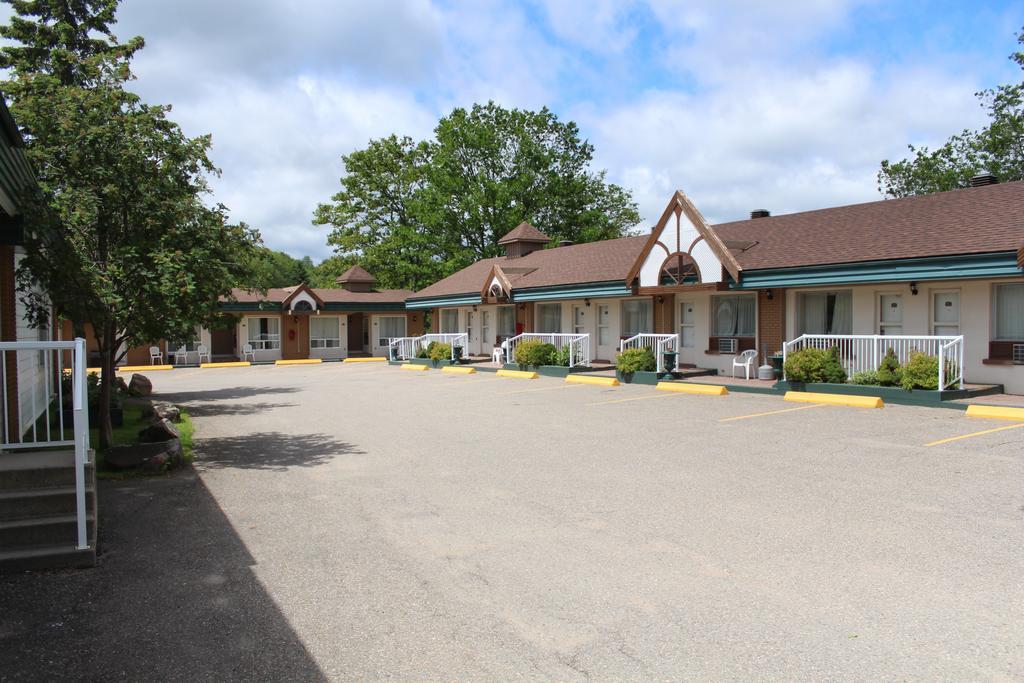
<point>186,428</point>
<point>128,432</point>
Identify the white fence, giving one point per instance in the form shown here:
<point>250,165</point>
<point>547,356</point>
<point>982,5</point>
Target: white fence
<point>51,387</point>
<point>579,345</point>
<point>860,353</point>
<point>404,348</point>
<point>658,343</point>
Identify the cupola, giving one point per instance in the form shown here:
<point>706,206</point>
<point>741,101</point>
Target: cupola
<point>524,239</point>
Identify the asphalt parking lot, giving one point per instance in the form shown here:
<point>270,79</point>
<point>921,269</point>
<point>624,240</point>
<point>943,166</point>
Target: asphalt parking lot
<point>353,521</point>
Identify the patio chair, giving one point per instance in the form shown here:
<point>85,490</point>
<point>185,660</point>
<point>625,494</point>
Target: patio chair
<point>745,360</point>
<point>155,356</point>
<point>248,352</point>
<point>181,355</point>
<point>203,351</point>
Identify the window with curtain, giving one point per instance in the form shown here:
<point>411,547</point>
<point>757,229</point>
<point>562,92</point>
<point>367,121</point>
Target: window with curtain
<point>449,321</point>
<point>826,312</point>
<point>324,333</point>
<point>549,318</point>
<point>506,321</point>
<point>1009,312</point>
<point>637,317</point>
<point>734,316</point>
<point>390,327</point>
<point>265,333</point>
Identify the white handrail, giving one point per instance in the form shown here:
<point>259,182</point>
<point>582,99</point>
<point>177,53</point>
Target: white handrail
<point>864,352</point>
<point>659,344</point>
<point>404,348</point>
<point>579,345</point>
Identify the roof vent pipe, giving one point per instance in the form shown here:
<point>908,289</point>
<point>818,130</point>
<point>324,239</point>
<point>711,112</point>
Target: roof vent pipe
<point>984,178</point>
<point>760,213</point>
<point>565,243</point>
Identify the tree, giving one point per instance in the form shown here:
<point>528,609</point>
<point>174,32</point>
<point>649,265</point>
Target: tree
<point>123,239</point>
<point>997,148</point>
<point>325,273</point>
<point>414,212</point>
<point>277,269</point>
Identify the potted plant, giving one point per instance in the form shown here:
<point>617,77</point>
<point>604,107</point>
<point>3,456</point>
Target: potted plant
<point>669,358</point>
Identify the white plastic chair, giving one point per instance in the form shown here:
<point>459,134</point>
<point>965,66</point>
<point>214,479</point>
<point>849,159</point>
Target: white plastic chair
<point>155,356</point>
<point>248,351</point>
<point>744,360</point>
<point>202,351</point>
<point>181,355</point>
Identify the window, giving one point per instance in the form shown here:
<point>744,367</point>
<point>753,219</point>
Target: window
<point>946,313</point>
<point>485,327</point>
<point>302,305</point>
<point>637,317</point>
<point>826,312</point>
<point>549,318</point>
<point>579,322</point>
<point>324,333</point>
<point>687,320</point>
<point>733,316</point>
<point>506,321</point>
<point>1009,313</point>
<point>890,314</point>
<point>389,327</point>
<point>265,333</point>
<point>449,321</point>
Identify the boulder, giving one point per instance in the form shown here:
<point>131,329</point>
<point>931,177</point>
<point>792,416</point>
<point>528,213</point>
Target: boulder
<point>140,385</point>
<point>159,430</point>
<point>168,411</point>
<point>150,457</point>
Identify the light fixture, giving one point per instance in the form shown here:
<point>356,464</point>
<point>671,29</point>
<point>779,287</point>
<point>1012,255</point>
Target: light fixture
<point>913,288</point>
<point>769,294</point>
<point>474,308</point>
<point>661,299</point>
<point>586,301</point>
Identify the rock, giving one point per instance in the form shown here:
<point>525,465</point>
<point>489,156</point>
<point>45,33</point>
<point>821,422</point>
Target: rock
<point>168,411</point>
<point>121,385</point>
<point>159,430</point>
<point>140,385</point>
<point>151,457</point>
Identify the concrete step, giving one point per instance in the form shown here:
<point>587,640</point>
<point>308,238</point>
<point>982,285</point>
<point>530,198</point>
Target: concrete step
<point>39,469</point>
<point>52,530</point>
<point>46,557</point>
<point>42,502</point>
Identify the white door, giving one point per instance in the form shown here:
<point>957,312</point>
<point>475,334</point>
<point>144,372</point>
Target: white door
<point>486,333</point>
<point>890,311</point>
<point>606,346</point>
<point>579,324</point>
<point>687,333</point>
<point>472,333</point>
<point>946,313</point>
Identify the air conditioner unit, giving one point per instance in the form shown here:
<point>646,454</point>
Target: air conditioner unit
<point>727,344</point>
<point>1018,353</point>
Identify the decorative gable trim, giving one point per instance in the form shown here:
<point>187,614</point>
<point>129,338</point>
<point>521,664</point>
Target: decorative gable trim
<point>302,293</point>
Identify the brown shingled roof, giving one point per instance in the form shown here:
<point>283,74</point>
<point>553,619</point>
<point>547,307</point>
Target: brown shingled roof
<point>524,232</point>
<point>280,294</point>
<point>578,263</point>
<point>355,274</point>
<point>968,221</point>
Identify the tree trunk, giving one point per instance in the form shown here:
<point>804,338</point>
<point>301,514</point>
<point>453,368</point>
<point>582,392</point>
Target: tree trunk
<point>108,351</point>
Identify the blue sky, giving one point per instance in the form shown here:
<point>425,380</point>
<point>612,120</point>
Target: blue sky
<point>740,103</point>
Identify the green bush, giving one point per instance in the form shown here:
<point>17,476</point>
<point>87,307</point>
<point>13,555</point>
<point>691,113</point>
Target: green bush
<point>815,365</point>
<point>535,352</point>
<point>636,360</point>
<point>422,352</point>
<point>439,351</point>
<point>920,372</point>
<point>889,370</point>
<point>562,357</point>
<point>868,378</point>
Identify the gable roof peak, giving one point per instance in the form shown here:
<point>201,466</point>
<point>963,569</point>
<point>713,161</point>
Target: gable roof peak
<point>355,274</point>
<point>524,232</point>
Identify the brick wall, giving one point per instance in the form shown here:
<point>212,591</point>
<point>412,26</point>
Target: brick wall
<point>771,320</point>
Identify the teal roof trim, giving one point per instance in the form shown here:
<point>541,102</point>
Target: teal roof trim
<point>589,290</point>
<point>329,307</point>
<point>968,266</point>
<point>445,301</point>
<point>355,307</point>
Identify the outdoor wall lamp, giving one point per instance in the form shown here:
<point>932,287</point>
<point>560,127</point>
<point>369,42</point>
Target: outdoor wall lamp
<point>913,288</point>
<point>769,294</point>
<point>661,299</point>
<point>586,301</point>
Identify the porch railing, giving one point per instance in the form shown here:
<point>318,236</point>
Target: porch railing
<point>579,345</point>
<point>50,382</point>
<point>864,352</point>
<point>404,348</point>
<point>658,343</point>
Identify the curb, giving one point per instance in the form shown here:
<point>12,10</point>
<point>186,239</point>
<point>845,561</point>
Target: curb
<point>414,368</point>
<point>456,370</point>
<point>369,359</point>
<point>143,368</point>
<point>300,361</point>
<point>589,379</point>
<point>996,412</point>
<point>835,399</point>
<point>686,388</point>
<point>518,374</point>
<point>228,364</point>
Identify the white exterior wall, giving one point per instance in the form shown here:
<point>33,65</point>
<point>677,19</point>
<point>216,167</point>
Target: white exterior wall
<point>342,350</point>
<point>33,382</point>
<point>976,321</point>
<point>243,338</point>
<point>699,354</point>
<point>377,349</point>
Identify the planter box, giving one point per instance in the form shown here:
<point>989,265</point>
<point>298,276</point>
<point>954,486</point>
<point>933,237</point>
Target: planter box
<point>548,370</point>
<point>916,397</point>
<point>431,363</point>
<point>645,377</point>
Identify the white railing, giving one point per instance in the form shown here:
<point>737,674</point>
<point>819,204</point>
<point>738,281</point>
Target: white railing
<point>34,417</point>
<point>404,348</point>
<point>864,352</point>
<point>659,344</point>
<point>579,345</point>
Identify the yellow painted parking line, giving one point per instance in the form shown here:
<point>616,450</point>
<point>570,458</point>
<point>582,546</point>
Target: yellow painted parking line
<point>771,412</point>
<point>638,398</point>
<point>528,391</point>
<point>973,434</point>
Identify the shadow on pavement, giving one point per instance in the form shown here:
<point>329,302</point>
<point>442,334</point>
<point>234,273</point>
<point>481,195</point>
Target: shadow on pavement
<point>218,408</point>
<point>270,451</point>
<point>174,597</point>
<point>226,393</point>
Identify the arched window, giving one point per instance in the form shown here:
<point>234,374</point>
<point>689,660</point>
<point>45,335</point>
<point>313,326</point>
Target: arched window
<point>679,269</point>
<point>302,306</point>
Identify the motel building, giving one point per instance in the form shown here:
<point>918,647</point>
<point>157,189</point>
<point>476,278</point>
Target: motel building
<point>942,274</point>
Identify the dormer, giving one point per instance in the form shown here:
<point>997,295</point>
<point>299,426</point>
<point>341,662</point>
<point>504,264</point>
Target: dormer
<point>523,240</point>
<point>355,279</point>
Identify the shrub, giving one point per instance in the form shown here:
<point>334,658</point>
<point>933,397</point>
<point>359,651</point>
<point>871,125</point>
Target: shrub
<point>439,351</point>
<point>865,378</point>
<point>636,360</point>
<point>562,357</point>
<point>535,352</point>
<point>889,370</point>
<point>815,365</point>
<point>920,372</point>
<point>422,352</point>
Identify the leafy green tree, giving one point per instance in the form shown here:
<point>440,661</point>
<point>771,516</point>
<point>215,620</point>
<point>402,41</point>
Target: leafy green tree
<point>122,238</point>
<point>325,273</point>
<point>997,148</point>
<point>414,212</point>
<point>277,269</point>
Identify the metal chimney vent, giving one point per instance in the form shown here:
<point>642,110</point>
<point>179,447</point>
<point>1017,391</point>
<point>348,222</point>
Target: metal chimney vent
<point>760,213</point>
<point>984,178</point>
